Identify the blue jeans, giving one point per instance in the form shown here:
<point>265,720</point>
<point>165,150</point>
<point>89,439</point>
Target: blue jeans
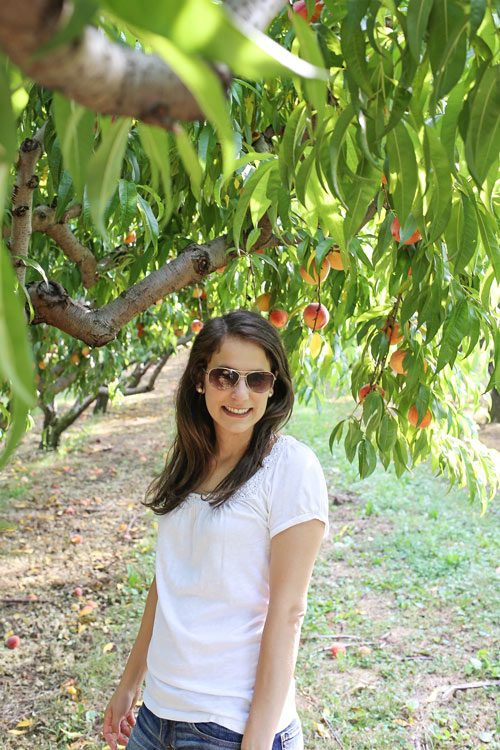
<point>152,733</point>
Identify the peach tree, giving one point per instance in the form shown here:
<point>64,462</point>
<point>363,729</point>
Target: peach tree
<point>162,162</point>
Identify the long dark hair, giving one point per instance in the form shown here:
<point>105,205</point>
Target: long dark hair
<point>189,459</point>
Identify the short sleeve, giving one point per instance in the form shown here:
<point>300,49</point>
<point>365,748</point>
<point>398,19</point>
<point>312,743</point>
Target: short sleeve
<point>298,489</point>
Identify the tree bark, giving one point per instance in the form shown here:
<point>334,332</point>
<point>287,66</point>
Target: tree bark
<point>55,425</point>
<point>44,221</point>
<point>102,75</point>
<point>53,305</point>
<point>22,200</point>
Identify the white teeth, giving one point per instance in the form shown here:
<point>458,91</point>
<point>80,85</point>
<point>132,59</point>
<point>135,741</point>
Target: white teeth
<point>237,411</point>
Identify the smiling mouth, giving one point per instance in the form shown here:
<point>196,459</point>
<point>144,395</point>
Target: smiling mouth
<point>237,412</point>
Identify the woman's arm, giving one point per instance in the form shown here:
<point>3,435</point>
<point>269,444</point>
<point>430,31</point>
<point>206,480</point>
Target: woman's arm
<point>293,553</point>
<point>118,717</point>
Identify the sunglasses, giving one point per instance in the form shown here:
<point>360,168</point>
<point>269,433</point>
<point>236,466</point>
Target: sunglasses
<point>224,378</point>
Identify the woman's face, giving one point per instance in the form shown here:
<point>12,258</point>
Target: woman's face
<point>236,411</point>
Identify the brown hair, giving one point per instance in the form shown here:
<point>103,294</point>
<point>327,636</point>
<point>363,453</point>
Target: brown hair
<point>189,458</point>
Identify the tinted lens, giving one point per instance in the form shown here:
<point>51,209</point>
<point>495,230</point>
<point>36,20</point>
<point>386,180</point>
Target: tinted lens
<point>260,381</point>
<point>222,378</point>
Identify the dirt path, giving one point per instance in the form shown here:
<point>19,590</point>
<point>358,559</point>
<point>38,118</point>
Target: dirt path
<point>68,520</point>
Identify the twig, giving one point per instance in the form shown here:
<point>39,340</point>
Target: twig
<point>450,691</point>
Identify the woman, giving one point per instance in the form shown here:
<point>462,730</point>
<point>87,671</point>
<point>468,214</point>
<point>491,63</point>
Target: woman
<point>242,512</point>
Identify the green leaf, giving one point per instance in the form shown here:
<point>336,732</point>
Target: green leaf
<point>75,129</point>
<point>7,134</point>
<point>315,90</point>
<point>494,381</point>
<point>488,232</point>
<point>455,329</point>
<point>387,433</point>
<point>354,50</point>
<point>477,11</point>
<point>464,247</point>
<point>336,433</point>
<point>417,17</point>
<point>482,144</point>
<point>207,29</point>
<point>156,145</point>
<point>439,211</point>
<point>16,430</point>
<point>423,397</point>
<point>190,160</point>
<point>353,437</point>
<point>294,129</point>
<point>245,197</point>
<point>207,89</point>
<point>403,169</point>
<point>367,458</point>
<point>127,192</point>
<point>447,44</point>
<point>16,362</point>
<point>150,222</point>
<point>336,144</point>
<point>104,170</point>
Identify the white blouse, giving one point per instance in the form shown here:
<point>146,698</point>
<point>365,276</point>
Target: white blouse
<point>212,576</point>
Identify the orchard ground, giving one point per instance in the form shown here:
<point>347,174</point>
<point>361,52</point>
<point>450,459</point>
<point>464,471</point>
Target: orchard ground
<point>409,572</point>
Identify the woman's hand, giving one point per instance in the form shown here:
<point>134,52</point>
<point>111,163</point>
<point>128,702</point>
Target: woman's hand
<point>119,719</point>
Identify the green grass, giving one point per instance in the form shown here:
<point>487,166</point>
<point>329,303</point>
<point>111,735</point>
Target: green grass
<point>410,570</point>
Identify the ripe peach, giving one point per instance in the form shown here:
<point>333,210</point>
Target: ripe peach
<point>221,269</point>
<point>279,318</point>
<point>364,651</point>
<point>196,325</point>
<point>13,641</point>
<point>336,649</point>
<point>392,333</point>
<point>75,358</point>
<point>413,417</point>
<point>262,302</point>
<point>178,332</point>
<point>396,361</point>
<point>396,233</point>
<point>365,390</point>
<point>300,7</point>
<point>77,591</point>
<point>335,260</point>
<point>130,238</point>
<point>197,292</point>
<point>316,316</point>
<point>76,539</point>
<point>86,351</point>
<point>310,275</point>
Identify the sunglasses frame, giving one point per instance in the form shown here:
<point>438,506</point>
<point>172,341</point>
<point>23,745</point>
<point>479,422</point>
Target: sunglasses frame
<point>245,374</point>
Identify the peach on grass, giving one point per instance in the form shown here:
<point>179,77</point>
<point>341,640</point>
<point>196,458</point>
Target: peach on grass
<point>279,318</point>
<point>310,274</point>
<point>365,390</point>
<point>316,316</point>
<point>413,418</point>
<point>336,649</point>
<point>13,641</point>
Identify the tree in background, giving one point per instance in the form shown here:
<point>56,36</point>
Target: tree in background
<point>339,173</point>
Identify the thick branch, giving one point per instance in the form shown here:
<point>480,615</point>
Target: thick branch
<point>98,73</point>
<point>44,221</point>
<point>54,306</point>
<point>256,13</point>
<point>22,199</point>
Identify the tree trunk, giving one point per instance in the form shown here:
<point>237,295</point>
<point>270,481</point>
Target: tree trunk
<point>54,426</point>
<point>102,400</point>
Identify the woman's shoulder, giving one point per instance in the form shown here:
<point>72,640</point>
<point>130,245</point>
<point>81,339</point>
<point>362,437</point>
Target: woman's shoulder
<point>289,453</point>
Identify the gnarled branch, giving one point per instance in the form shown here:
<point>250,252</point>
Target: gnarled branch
<point>44,221</point>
